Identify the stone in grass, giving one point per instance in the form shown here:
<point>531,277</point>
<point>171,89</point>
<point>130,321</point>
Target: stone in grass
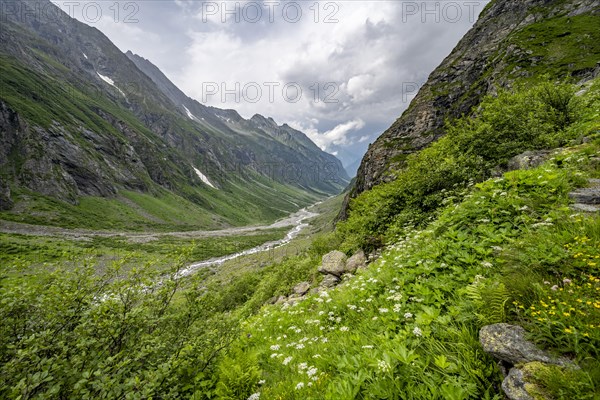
<point>514,385</point>
<point>333,263</point>
<point>302,288</point>
<point>329,281</point>
<point>356,262</point>
<point>507,342</point>
<point>520,382</point>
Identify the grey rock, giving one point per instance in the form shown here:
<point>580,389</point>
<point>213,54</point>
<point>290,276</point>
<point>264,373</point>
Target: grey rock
<point>330,281</point>
<point>588,195</point>
<point>356,262</point>
<point>281,300</point>
<point>528,160</point>
<point>589,208</point>
<point>301,288</point>
<point>333,263</point>
<point>507,342</point>
<point>514,385</point>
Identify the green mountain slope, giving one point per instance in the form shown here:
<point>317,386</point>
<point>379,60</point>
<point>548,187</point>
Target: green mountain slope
<point>78,119</point>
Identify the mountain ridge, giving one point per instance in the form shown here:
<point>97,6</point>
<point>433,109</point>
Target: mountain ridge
<point>81,119</point>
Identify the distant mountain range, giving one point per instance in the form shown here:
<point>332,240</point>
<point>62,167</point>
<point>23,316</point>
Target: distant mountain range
<point>80,118</point>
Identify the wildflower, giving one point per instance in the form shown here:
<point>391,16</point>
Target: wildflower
<point>254,396</point>
<point>566,281</point>
<point>487,264</point>
<point>383,366</point>
<point>317,356</point>
<point>555,288</point>
<point>302,366</point>
<point>367,346</point>
<point>261,382</point>
<point>383,310</point>
<point>287,360</point>
<point>408,315</point>
<point>417,331</point>
<point>275,347</point>
<point>274,355</point>
<point>352,306</point>
<point>299,346</point>
<point>300,385</point>
<point>397,307</point>
<point>312,371</point>
<point>344,329</point>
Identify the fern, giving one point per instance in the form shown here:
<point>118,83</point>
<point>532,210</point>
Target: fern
<point>489,300</point>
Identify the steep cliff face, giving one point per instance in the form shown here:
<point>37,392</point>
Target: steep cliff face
<point>512,40</point>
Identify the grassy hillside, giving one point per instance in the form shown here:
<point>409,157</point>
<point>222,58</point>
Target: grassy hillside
<point>461,253</point>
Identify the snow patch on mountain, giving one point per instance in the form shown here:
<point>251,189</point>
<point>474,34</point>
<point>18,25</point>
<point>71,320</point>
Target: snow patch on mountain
<point>110,82</point>
<point>189,114</point>
<point>203,178</point>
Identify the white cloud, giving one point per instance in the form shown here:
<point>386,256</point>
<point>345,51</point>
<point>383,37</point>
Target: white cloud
<point>362,62</point>
<point>338,136</point>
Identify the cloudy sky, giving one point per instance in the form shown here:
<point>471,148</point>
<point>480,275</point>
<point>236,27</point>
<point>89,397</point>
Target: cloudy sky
<point>341,71</point>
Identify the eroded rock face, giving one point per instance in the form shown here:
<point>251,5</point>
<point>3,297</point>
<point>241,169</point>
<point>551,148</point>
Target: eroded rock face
<point>334,263</point>
<point>507,343</point>
<point>6,202</point>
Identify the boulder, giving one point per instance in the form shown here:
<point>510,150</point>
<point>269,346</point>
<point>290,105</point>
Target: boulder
<point>588,195</point>
<point>528,160</point>
<point>281,300</point>
<point>329,281</point>
<point>507,343</point>
<point>333,263</point>
<point>301,288</point>
<point>356,262</point>
<point>514,385</point>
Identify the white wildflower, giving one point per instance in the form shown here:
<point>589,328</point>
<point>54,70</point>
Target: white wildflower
<point>408,315</point>
<point>383,310</point>
<point>254,396</point>
<point>417,331</point>
<point>287,360</point>
<point>383,366</point>
<point>275,347</point>
<point>300,385</point>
